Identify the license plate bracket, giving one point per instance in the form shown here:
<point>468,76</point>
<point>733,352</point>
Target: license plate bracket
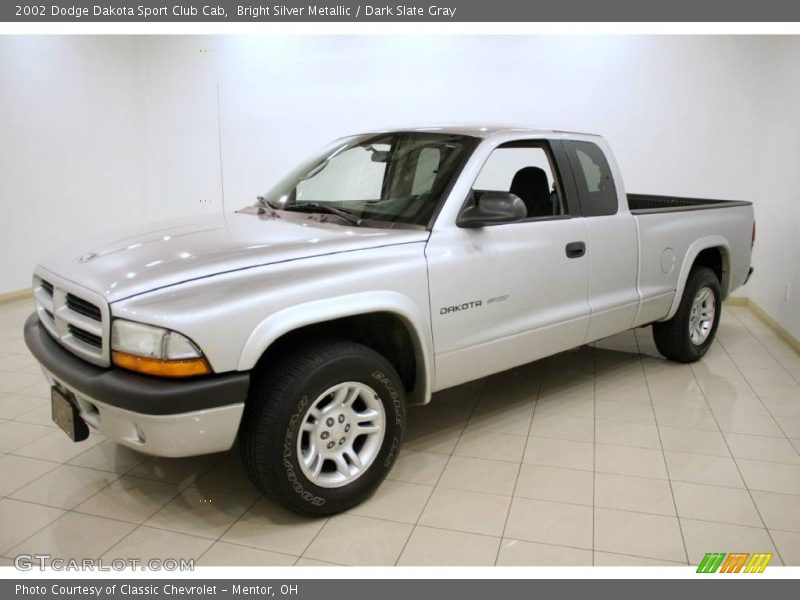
<point>66,415</point>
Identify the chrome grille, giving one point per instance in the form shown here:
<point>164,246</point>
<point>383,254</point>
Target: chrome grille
<point>76,317</point>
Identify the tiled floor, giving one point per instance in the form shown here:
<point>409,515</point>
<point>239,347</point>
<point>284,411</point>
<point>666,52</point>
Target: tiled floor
<point>606,455</point>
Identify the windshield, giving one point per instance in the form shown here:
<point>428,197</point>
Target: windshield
<point>387,178</point>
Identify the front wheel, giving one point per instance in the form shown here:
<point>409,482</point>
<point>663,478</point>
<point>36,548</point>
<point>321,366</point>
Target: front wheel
<point>322,428</point>
<point>687,336</point>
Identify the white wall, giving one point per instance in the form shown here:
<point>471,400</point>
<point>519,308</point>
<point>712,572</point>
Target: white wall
<point>70,144</point>
<point>777,249</point>
<point>136,123</point>
<point>679,111</point>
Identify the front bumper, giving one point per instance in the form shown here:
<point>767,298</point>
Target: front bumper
<point>162,417</point>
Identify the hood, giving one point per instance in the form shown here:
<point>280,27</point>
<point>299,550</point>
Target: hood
<point>148,258</point>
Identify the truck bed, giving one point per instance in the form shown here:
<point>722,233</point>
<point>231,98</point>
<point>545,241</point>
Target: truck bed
<point>650,203</point>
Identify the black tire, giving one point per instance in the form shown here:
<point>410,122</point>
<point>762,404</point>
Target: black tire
<point>279,399</point>
<point>672,337</point>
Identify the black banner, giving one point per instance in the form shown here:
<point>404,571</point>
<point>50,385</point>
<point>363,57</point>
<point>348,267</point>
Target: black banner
<point>703,586</point>
<point>407,11</point>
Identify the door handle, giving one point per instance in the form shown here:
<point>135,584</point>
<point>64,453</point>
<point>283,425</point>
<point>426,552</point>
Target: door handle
<point>576,249</point>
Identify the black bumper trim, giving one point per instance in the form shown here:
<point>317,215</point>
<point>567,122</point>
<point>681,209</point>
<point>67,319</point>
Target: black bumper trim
<point>749,275</point>
<point>131,391</point>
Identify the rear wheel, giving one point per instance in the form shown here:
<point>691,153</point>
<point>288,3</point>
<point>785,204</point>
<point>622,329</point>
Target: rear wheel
<point>687,336</point>
<point>322,428</point>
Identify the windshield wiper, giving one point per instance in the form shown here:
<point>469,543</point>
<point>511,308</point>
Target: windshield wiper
<point>317,207</point>
<point>265,205</point>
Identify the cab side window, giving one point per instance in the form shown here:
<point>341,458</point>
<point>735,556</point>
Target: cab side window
<point>527,171</point>
<point>596,189</point>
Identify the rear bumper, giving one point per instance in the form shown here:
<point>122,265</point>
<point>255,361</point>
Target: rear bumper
<point>749,275</point>
<point>156,416</point>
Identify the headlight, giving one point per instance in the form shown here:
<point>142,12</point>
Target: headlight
<point>155,351</point>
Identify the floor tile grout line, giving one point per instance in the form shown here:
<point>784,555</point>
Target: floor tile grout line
<point>483,535</point>
<point>612,474</point>
<point>129,472</point>
<point>480,394</point>
<point>736,462</point>
<point>777,338</point>
<point>228,528</point>
<point>69,463</point>
<point>696,374</point>
<point>772,355</point>
<point>521,462</point>
<point>594,449</point>
<point>219,540</point>
<point>664,459</point>
<point>311,541</point>
<point>657,450</point>
<point>83,512</point>
<point>43,404</point>
<point>757,395</point>
<point>550,544</point>
<point>66,464</point>
<point>386,520</point>
<point>119,476</point>
<point>780,427</point>
<point>33,441</point>
<point>138,526</point>
<point>27,483</point>
<point>755,505</point>
<point>45,526</point>
<point>747,486</point>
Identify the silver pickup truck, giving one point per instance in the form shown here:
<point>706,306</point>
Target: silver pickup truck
<point>388,266</point>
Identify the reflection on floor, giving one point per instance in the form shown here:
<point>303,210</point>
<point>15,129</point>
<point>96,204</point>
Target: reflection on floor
<point>605,455</point>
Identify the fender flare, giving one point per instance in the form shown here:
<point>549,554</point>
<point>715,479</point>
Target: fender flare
<point>704,243</point>
<point>319,311</point>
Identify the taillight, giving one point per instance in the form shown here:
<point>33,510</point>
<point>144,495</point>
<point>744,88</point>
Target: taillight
<point>753,240</point>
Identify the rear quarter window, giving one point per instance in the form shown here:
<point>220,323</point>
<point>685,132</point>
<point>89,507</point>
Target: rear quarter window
<point>596,189</point>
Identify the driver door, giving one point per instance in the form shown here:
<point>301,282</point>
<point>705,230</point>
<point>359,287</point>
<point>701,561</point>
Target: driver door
<point>507,294</point>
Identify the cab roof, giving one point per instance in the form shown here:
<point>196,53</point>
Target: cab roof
<point>484,131</point>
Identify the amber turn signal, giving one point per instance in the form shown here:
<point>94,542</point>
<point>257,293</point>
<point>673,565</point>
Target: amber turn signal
<point>163,368</point>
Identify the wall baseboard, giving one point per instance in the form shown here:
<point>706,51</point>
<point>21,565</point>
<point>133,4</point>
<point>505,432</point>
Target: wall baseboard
<point>776,327</point>
<point>737,301</point>
<point>18,295</point>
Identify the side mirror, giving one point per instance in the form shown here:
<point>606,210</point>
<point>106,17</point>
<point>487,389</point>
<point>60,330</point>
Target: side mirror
<point>491,208</point>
